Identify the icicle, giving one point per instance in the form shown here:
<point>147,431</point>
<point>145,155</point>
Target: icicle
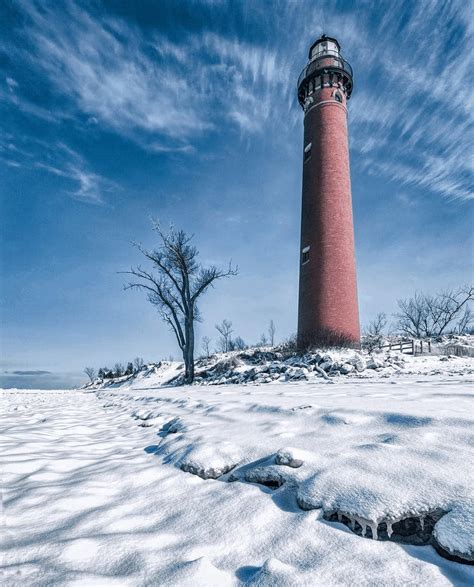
<point>389,529</point>
<point>373,527</point>
<point>339,517</point>
<point>422,522</point>
<point>364,529</point>
<point>353,523</point>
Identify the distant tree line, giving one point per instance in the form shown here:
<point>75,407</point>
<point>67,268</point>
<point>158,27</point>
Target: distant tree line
<point>132,368</point>
<point>425,316</point>
<point>226,341</point>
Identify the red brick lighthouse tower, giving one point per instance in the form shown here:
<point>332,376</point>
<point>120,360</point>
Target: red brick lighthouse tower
<point>328,311</point>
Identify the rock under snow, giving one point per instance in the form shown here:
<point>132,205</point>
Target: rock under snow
<point>270,476</point>
<point>358,362</point>
<point>210,461</point>
<point>375,362</point>
<point>296,374</point>
<point>454,532</point>
<point>346,368</point>
<point>291,457</point>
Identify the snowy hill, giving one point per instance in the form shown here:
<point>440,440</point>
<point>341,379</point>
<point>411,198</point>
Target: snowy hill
<point>320,479</point>
<point>259,366</point>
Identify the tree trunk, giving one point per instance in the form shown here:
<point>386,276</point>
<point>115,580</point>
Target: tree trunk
<point>188,352</point>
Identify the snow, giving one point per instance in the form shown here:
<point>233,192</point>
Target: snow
<point>455,531</point>
<point>262,365</point>
<point>209,491</point>
<point>210,462</point>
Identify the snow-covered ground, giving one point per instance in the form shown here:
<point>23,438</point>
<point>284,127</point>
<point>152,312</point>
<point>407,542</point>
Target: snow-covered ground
<point>242,484</point>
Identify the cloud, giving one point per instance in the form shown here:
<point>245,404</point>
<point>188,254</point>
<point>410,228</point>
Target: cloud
<point>109,71</point>
<point>60,160</point>
<point>134,84</point>
<point>412,122</point>
<point>30,373</point>
<point>410,114</point>
<point>89,186</point>
<point>11,83</point>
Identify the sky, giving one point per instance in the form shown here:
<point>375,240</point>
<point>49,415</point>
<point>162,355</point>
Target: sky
<point>117,112</point>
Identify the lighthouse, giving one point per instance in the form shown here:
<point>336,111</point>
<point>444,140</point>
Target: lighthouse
<point>327,309</point>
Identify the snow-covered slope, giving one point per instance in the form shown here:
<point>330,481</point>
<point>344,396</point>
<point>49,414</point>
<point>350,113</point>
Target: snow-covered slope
<point>151,485</point>
<point>268,366</point>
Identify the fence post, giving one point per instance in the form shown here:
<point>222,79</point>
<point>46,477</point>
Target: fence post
<point>413,347</point>
<point>421,344</point>
<point>429,346</point>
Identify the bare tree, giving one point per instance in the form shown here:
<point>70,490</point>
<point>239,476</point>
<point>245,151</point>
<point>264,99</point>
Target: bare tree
<point>239,343</point>
<point>373,334</point>
<point>118,370</point>
<point>206,346</point>
<point>271,333</point>
<point>176,286</point>
<point>138,364</point>
<point>426,315</point>
<point>90,372</point>
<point>225,330</point>
<point>263,340</point>
<point>412,313</point>
<point>464,324</point>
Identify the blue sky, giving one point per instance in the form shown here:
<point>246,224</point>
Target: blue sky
<point>113,112</point>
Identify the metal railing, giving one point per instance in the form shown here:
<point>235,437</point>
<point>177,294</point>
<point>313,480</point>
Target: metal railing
<point>326,61</point>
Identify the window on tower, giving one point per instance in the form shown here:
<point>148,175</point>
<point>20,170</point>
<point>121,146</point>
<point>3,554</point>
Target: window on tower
<point>307,151</point>
<point>305,255</point>
<point>338,96</point>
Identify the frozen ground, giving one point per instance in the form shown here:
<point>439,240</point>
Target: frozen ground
<point>107,487</point>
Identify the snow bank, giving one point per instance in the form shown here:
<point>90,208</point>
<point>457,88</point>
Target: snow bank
<point>195,573</point>
<point>273,572</point>
<point>454,533</point>
<point>257,366</point>
<point>377,460</point>
<point>210,461</point>
<point>93,497</point>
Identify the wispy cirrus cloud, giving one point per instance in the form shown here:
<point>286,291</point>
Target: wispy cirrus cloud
<point>108,72</point>
<point>30,373</point>
<point>413,120</point>
<point>57,159</point>
<point>88,187</point>
<point>136,84</point>
<point>410,113</point>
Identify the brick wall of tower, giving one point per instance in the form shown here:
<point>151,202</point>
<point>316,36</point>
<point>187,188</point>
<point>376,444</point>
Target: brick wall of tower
<point>328,287</point>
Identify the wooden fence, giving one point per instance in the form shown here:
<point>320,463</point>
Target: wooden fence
<point>409,347</point>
